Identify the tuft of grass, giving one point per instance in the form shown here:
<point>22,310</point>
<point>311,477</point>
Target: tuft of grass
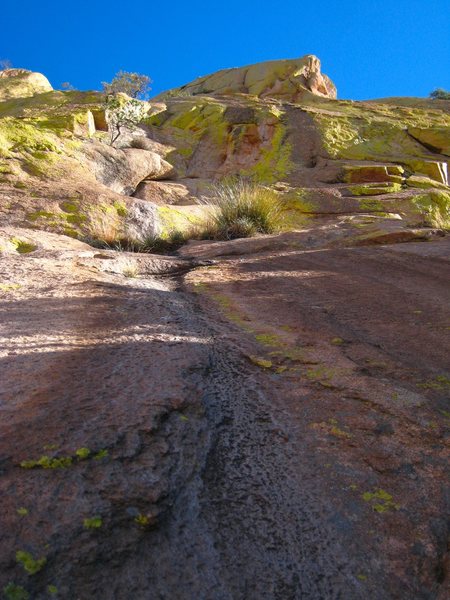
<point>130,270</point>
<point>242,209</point>
<point>104,228</point>
<point>23,247</point>
<point>156,244</point>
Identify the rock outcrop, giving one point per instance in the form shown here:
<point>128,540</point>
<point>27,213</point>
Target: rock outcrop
<point>289,80</point>
<point>275,122</point>
<point>20,83</point>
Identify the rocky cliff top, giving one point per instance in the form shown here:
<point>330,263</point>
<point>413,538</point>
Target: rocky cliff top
<point>289,80</point>
<point>21,83</point>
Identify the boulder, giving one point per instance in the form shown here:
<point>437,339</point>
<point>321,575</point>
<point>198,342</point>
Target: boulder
<point>181,192</point>
<point>285,79</point>
<point>20,83</point>
<point>142,221</point>
<point>122,170</point>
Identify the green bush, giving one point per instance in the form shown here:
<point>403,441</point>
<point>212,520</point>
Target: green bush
<point>440,94</point>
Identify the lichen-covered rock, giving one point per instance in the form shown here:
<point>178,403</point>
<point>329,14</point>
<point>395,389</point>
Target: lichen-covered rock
<point>436,139</point>
<point>372,173</point>
<point>20,83</point>
<point>437,170</point>
<point>285,79</point>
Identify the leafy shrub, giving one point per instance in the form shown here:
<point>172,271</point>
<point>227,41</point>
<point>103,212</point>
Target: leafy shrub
<point>440,94</point>
<point>242,209</point>
<point>122,113</point>
<point>134,85</point>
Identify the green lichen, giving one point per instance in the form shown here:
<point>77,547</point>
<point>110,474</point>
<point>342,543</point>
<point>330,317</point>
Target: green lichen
<point>46,462</point>
<point>9,287</point>
<point>261,362</point>
<point>23,136</point>
<point>268,339</point>
<point>69,207</point>
<point>76,219</point>
<point>40,214</point>
<point>83,453</point>
<point>52,590</point>
<point>370,205</point>
<point>374,190</point>
<point>381,501</point>
<point>142,520</point>
<point>22,511</point>
<point>435,208</point>
<point>275,161</point>
<point>101,454</point>
<point>121,208</point>
<point>29,563</point>
<point>438,383</point>
<point>70,232</point>
<point>93,522</point>
<point>15,592</point>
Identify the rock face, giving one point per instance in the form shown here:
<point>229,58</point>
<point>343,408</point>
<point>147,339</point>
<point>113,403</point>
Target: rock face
<point>275,122</point>
<point>130,410</point>
<point>20,83</point>
<point>285,79</point>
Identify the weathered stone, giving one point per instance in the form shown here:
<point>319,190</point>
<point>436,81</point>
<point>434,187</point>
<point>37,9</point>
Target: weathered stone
<point>420,181</point>
<point>286,79</point>
<point>369,174</point>
<point>436,139</point>
<point>435,169</point>
<point>123,170</point>
<point>181,192</point>
<point>142,221</point>
<point>20,83</point>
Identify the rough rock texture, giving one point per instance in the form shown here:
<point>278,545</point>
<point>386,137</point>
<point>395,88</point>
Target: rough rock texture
<point>20,83</point>
<point>142,221</point>
<point>182,191</point>
<point>284,79</point>
<point>261,419</point>
<point>146,429</point>
<point>122,170</point>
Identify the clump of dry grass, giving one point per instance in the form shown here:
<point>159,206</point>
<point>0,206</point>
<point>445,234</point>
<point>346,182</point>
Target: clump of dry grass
<point>104,228</point>
<point>240,209</point>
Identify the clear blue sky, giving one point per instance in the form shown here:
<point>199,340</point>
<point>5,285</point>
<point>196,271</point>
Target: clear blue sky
<point>369,48</point>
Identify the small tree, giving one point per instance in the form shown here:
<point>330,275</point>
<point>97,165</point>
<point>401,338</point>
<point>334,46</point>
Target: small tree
<point>123,113</point>
<point>132,84</point>
<point>440,94</point>
<point>68,87</point>
<point>5,63</point>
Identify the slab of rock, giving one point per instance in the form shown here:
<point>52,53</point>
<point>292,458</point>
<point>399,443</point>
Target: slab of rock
<point>435,138</point>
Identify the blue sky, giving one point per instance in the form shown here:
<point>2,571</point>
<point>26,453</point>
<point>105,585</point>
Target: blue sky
<point>370,49</point>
